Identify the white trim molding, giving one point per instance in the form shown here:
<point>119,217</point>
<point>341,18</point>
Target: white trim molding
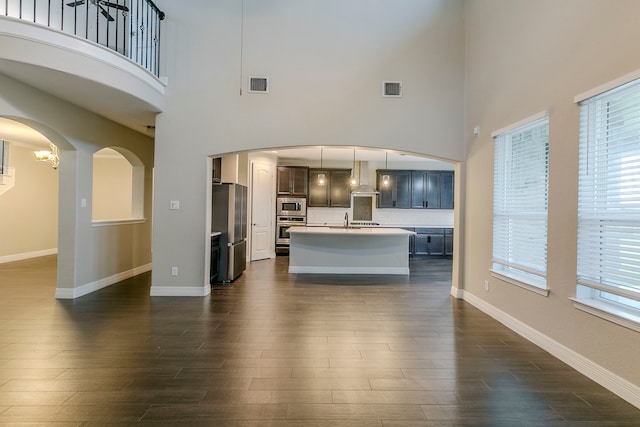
<point>609,312</point>
<point>180,291</point>
<point>116,222</point>
<point>28,255</point>
<point>634,75</point>
<point>520,283</point>
<point>72,293</point>
<point>616,384</point>
<point>456,292</point>
<point>519,123</point>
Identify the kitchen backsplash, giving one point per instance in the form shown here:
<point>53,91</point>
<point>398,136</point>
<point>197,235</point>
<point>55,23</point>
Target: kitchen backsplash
<point>396,217</point>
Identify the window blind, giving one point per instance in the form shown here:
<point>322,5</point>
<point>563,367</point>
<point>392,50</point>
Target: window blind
<point>609,195</point>
<point>521,170</point>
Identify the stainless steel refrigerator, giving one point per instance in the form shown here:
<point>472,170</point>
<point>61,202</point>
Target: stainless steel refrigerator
<point>229,216</point>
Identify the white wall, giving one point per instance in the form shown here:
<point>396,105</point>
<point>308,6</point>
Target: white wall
<point>524,57</point>
<point>29,210</point>
<point>326,61</point>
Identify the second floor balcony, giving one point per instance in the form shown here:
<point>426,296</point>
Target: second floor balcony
<point>101,55</point>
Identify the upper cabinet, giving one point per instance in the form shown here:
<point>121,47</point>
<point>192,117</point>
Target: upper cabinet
<point>334,193</point>
<point>292,181</point>
<point>432,189</point>
<point>397,194</point>
<point>417,189</point>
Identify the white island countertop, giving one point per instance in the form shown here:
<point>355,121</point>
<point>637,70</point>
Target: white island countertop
<point>378,231</point>
<point>340,250</point>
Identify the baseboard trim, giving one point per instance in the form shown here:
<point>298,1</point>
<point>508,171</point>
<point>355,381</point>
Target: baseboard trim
<point>180,291</point>
<point>27,255</point>
<point>616,384</point>
<point>457,293</point>
<point>310,269</point>
<point>72,293</point>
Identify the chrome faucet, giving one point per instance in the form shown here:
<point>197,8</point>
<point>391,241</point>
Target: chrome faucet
<point>346,220</point>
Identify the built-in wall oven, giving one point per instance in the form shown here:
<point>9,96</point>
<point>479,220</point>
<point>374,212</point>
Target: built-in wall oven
<point>291,206</point>
<point>290,211</point>
<point>282,224</point>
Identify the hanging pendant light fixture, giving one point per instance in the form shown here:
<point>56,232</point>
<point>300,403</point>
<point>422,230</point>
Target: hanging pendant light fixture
<point>322,179</point>
<point>354,181</point>
<point>385,178</point>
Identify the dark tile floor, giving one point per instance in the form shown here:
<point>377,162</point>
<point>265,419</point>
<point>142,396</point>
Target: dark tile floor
<point>274,349</point>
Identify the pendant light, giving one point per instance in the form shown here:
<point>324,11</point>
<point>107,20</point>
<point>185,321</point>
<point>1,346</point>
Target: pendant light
<point>322,179</point>
<point>385,178</point>
<point>354,181</point>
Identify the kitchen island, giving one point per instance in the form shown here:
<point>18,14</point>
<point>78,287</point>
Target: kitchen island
<point>349,250</point>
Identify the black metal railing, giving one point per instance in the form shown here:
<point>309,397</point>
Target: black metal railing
<point>129,27</point>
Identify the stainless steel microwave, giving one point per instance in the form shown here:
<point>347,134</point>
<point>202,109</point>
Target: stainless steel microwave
<point>292,206</point>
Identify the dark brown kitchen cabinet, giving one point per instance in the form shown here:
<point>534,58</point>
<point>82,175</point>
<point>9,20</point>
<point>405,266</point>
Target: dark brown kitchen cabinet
<point>416,189</point>
<point>448,241</point>
<point>336,191</point>
<point>397,194</point>
<point>292,181</point>
<point>432,189</point>
<point>446,190</point>
<point>435,242</point>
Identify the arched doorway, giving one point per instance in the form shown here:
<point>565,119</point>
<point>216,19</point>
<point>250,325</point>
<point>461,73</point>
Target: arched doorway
<point>29,194</point>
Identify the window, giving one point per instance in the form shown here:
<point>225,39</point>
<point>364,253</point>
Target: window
<point>608,273</point>
<point>4,158</point>
<point>521,171</point>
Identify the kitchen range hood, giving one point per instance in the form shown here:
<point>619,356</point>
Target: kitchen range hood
<point>363,189</point>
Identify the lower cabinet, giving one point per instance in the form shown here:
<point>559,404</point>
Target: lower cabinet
<point>215,259</point>
<point>433,242</point>
<point>412,243</point>
<point>448,241</point>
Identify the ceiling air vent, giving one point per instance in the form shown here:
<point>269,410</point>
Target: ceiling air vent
<point>392,89</point>
<point>258,85</point>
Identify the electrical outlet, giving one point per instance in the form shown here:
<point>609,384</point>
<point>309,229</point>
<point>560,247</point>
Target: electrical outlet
<point>174,205</point>
<point>486,285</point>
<point>174,271</point>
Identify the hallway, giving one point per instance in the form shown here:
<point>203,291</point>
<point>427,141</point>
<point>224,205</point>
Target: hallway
<point>279,350</point>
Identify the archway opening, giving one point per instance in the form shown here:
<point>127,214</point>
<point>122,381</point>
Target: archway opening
<point>366,165</point>
<point>118,185</point>
<point>28,194</point>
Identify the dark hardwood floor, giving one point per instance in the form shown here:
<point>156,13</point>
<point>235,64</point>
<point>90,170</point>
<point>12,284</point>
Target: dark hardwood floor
<point>274,349</point>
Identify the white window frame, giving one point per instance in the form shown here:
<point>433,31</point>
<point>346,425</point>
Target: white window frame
<point>608,270</point>
<point>4,158</point>
<point>510,263</point>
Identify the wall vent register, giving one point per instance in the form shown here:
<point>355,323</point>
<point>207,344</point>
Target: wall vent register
<point>258,85</point>
<point>392,89</point>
